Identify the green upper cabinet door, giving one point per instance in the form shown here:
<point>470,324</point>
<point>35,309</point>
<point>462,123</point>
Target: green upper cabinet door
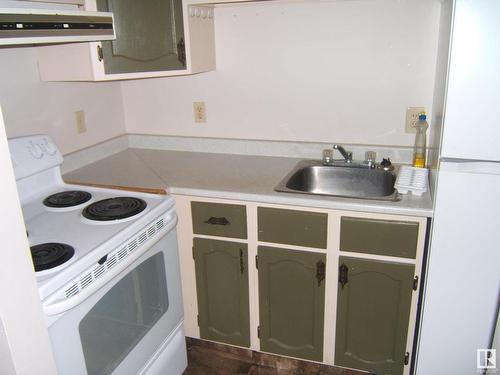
<point>150,36</point>
<point>291,302</point>
<point>292,227</point>
<point>222,288</point>
<point>373,312</point>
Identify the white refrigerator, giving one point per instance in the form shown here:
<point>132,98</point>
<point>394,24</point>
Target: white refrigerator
<point>462,291</point>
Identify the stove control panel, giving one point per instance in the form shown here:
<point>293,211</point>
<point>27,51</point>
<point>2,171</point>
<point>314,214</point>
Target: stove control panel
<point>33,154</point>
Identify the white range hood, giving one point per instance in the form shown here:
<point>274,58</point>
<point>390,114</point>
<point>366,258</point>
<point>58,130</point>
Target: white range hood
<point>35,26</point>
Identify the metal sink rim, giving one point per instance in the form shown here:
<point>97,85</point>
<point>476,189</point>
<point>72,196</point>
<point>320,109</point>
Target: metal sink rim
<point>283,188</point>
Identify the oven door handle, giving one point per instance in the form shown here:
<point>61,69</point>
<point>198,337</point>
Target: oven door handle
<point>58,303</point>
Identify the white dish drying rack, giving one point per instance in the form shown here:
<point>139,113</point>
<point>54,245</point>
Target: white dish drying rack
<point>412,179</point>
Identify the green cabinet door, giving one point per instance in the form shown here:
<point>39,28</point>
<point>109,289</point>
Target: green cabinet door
<point>149,36</point>
<point>222,289</point>
<point>373,312</point>
<point>291,302</point>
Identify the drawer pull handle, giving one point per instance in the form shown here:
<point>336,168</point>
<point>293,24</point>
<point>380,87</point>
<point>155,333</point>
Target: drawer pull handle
<point>242,262</point>
<point>343,275</point>
<point>320,271</point>
<point>217,221</point>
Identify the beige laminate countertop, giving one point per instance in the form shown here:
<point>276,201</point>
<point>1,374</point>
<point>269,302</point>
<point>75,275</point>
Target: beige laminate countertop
<point>223,176</point>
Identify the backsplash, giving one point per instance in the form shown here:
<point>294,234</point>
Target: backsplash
<point>301,150</point>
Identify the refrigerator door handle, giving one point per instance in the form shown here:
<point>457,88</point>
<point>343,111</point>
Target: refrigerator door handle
<point>468,166</point>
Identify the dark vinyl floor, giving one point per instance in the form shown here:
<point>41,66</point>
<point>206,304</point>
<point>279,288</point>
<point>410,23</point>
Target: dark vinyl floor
<point>205,358</point>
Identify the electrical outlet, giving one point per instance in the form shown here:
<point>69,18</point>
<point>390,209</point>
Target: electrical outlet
<point>412,114</point>
<point>81,126</point>
<point>200,112</point>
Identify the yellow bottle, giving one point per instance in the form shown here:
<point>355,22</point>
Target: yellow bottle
<point>419,149</point>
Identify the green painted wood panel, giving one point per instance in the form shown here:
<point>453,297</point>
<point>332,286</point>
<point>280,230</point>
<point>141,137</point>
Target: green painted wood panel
<point>301,228</point>
<point>373,312</point>
<point>222,291</point>
<point>381,237</point>
<point>147,34</point>
<point>217,219</point>
<point>291,303</point>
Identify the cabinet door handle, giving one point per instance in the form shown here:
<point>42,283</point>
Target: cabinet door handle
<point>320,271</point>
<point>100,53</point>
<point>181,51</point>
<point>217,221</point>
<point>343,275</point>
<point>242,262</point>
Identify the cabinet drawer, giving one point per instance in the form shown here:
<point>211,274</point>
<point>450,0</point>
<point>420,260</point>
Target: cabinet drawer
<point>292,227</point>
<point>381,237</point>
<point>217,219</point>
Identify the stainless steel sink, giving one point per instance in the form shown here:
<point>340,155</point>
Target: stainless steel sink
<point>312,177</point>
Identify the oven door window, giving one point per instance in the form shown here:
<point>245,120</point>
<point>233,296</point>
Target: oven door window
<point>124,315</point>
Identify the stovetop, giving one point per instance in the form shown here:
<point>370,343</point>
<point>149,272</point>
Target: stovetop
<point>69,225</point>
<point>90,239</point>
<point>50,219</point>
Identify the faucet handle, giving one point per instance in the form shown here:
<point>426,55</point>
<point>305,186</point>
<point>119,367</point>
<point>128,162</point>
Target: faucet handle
<point>370,156</point>
<point>327,156</point>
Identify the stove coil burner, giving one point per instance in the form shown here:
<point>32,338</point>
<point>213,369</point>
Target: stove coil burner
<point>67,199</point>
<point>114,209</point>
<point>49,255</point>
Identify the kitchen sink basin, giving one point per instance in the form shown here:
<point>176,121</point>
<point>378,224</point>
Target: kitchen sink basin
<point>312,177</point>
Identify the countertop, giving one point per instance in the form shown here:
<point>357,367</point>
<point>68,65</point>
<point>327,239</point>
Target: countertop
<point>223,176</point>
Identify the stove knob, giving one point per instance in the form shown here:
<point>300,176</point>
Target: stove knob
<point>49,147</point>
<point>35,151</point>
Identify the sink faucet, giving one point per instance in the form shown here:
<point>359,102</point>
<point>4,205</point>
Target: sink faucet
<point>346,154</point>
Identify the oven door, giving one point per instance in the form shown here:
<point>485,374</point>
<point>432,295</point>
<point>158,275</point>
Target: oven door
<point>119,328</point>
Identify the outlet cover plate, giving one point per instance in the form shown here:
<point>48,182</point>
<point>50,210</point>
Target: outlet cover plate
<point>81,126</point>
<point>412,114</point>
<point>200,112</point>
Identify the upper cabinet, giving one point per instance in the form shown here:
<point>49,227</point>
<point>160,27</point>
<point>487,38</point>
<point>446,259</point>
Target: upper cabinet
<point>154,39</point>
<point>150,36</point>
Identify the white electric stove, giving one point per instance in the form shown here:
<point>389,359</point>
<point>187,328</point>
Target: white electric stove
<point>107,268</point>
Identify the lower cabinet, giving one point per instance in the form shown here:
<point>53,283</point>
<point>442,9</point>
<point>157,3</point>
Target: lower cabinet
<point>222,291</point>
<point>280,303</point>
<point>373,312</point>
<point>291,302</point>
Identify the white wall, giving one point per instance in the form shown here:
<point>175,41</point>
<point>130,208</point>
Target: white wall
<point>319,71</point>
<point>24,340</point>
<point>33,107</point>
